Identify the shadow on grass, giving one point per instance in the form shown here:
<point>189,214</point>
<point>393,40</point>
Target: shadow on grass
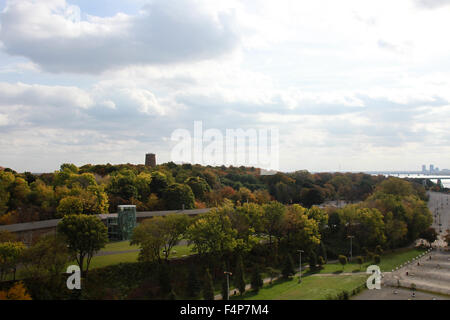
<point>252,293</point>
<point>356,271</point>
<point>338,271</point>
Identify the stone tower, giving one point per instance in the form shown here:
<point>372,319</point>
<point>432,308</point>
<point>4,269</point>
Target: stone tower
<point>150,160</point>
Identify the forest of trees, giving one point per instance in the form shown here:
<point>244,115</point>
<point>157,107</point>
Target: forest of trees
<point>95,189</point>
<point>242,237</point>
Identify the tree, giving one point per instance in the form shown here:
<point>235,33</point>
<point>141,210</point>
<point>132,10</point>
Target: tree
<point>159,234</point>
<point>6,236</point>
<point>17,292</point>
<point>10,255</point>
<point>298,230</point>
<point>273,273</point>
<point>360,261</point>
<point>430,235</point>
<point>311,196</point>
<point>208,286</point>
<point>199,187</point>
<point>377,259</point>
<point>178,195</point>
<point>164,280</point>
<point>85,235</point>
<point>321,261</point>
<point>159,183</point>
<point>312,260</point>
<point>238,278</point>
<point>256,280</point>
<point>47,258</point>
<point>288,267</point>
<point>342,260</point>
<point>193,284</point>
<point>378,250</point>
<point>212,233</point>
<point>70,205</point>
<point>224,287</point>
<point>273,219</point>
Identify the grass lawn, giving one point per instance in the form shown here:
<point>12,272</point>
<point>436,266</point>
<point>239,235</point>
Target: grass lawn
<point>119,246</point>
<point>388,262</point>
<point>311,288</point>
<point>111,259</point>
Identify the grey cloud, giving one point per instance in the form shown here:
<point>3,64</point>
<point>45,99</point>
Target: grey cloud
<point>165,31</point>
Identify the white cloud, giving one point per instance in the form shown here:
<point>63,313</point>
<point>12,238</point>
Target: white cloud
<point>44,96</point>
<point>163,32</point>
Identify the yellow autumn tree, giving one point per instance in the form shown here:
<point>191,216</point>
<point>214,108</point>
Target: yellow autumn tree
<point>16,292</point>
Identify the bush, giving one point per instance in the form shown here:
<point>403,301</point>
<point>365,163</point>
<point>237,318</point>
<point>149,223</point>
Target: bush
<point>342,260</point>
<point>312,261</point>
<point>288,267</point>
<point>360,261</point>
<point>208,286</point>
<point>377,258</point>
<point>321,261</point>
<point>256,281</point>
<point>193,284</point>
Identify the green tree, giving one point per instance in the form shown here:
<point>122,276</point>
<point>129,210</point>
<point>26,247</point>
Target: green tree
<point>273,219</point>
<point>164,280</point>
<point>212,233</point>
<point>256,280</point>
<point>208,286</point>
<point>10,255</point>
<point>159,234</point>
<point>85,235</point>
<point>6,236</point>
<point>238,277</point>
<point>70,205</point>
<point>377,259</point>
<point>288,267</point>
<point>312,260</point>
<point>224,288</point>
<point>430,235</point>
<point>178,195</point>
<point>199,187</point>
<point>193,284</point>
<point>342,260</point>
<point>360,261</point>
<point>47,258</point>
<point>273,273</point>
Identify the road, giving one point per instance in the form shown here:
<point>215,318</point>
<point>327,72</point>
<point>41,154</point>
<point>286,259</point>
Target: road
<point>439,205</point>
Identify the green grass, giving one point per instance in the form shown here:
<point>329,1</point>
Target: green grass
<point>311,288</point>
<point>388,262</point>
<point>119,246</point>
<point>111,259</point>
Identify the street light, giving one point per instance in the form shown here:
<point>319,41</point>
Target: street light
<point>351,247</point>
<point>228,283</point>
<point>300,266</point>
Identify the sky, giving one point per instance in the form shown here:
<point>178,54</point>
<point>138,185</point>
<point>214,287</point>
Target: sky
<point>351,85</point>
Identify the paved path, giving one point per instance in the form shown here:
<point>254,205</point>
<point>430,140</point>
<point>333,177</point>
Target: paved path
<point>388,293</point>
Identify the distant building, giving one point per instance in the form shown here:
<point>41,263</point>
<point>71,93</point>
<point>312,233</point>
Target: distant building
<point>424,168</point>
<point>150,160</point>
<point>431,168</point>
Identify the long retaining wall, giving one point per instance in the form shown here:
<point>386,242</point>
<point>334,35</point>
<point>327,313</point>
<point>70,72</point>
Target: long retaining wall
<point>30,231</point>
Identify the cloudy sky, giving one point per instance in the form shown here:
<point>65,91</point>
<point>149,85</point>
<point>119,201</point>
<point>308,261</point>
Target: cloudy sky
<point>351,84</point>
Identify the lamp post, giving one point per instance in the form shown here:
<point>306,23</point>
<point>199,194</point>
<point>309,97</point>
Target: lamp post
<point>351,247</point>
<point>300,266</point>
<point>228,283</point>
